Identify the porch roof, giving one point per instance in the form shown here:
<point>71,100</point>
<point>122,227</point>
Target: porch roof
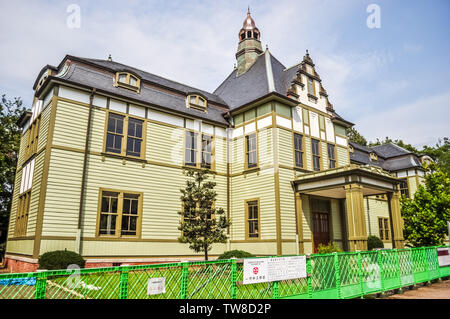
<point>331,183</point>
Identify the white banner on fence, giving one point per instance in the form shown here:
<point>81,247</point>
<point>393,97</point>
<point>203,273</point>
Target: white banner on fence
<point>443,257</point>
<point>274,269</point>
<point>156,286</point>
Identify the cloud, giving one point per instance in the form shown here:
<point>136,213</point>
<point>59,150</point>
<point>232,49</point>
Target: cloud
<point>420,122</point>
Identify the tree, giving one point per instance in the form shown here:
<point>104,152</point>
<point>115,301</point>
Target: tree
<point>354,136</point>
<point>10,112</point>
<point>202,224</point>
<point>440,153</point>
<point>425,216</point>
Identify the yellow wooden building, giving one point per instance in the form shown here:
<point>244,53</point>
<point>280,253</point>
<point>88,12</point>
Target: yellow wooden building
<point>105,146</point>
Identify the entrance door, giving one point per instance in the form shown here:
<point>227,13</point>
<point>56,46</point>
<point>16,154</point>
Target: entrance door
<point>320,222</point>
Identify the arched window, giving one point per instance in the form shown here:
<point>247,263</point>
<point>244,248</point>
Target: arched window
<point>128,81</point>
<point>197,102</point>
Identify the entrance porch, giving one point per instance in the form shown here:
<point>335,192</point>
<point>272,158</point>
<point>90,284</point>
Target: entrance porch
<point>349,186</point>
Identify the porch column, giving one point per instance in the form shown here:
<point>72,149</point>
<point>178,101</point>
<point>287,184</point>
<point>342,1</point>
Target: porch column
<point>356,221</point>
<point>299,222</point>
<point>397,221</point>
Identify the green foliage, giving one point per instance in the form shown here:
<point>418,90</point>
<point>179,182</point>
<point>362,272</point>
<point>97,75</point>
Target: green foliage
<point>60,259</point>
<point>425,216</point>
<point>440,153</point>
<point>374,242</point>
<point>327,249</point>
<point>202,224</point>
<point>354,136</point>
<point>235,254</point>
<point>10,112</point>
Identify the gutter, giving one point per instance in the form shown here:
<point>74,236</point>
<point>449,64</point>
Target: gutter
<point>83,176</point>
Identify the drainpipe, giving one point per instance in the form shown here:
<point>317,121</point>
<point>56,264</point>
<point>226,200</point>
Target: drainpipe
<point>83,176</point>
<point>228,115</point>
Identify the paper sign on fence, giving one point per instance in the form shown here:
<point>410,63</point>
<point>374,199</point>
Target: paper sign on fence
<point>156,286</point>
<point>274,269</point>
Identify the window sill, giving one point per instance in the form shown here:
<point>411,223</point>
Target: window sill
<point>124,157</point>
<point>251,170</point>
<point>196,168</point>
<point>301,169</point>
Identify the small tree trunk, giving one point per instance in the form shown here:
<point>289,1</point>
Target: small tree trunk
<point>206,252</point>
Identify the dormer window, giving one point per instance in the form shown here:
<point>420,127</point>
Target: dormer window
<point>128,81</point>
<point>373,157</point>
<point>196,102</point>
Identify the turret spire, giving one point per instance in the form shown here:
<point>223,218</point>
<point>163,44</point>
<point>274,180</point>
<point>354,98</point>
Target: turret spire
<point>249,44</point>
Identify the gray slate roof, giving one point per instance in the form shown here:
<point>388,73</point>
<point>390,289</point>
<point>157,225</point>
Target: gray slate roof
<point>254,83</point>
<point>391,157</point>
<point>115,66</point>
<point>89,77</point>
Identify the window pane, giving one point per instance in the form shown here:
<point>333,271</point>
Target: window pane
<point>107,224</point>
<point>123,78</point>
<point>113,143</point>
<point>133,81</point>
<point>126,206</point>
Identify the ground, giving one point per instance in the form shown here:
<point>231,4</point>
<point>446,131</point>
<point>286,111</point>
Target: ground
<point>437,290</point>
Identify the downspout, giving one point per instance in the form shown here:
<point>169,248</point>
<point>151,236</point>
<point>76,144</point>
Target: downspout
<point>228,178</point>
<point>83,176</point>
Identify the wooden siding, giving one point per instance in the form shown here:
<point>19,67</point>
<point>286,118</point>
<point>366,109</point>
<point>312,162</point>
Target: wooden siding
<point>324,156</point>
<point>165,144</point>
<point>377,208</point>
<point>287,204</point>
<point>285,147</point>
<point>70,125</point>
<point>253,185</point>
<point>342,156</point>
<point>35,194</point>
<point>24,247</point>
<point>265,147</point>
<point>43,129</point>
<point>14,202</point>
<point>308,153</point>
<point>63,193</point>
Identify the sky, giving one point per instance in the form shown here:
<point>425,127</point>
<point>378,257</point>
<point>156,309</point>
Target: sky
<point>391,80</point>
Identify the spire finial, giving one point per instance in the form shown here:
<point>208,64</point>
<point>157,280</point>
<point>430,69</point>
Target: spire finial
<point>110,58</point>
<point>248,12</point>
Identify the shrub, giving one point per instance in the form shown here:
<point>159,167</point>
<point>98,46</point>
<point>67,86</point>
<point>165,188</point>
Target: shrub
<point>374,242</point>
<point>328,249</point>
<point>236,254</point>
<point>60,259</point>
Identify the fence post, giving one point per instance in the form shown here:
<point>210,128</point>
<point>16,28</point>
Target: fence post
<point>41,285</point>
<point>123,286</point>
<point>233,278</point>
<point>425,256</point>
<point>380,265</point>
<point>184,279</point>
<point>360,276</point>
<point>309,276</point>
<point>397,262</point>
<point>337,275</point>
